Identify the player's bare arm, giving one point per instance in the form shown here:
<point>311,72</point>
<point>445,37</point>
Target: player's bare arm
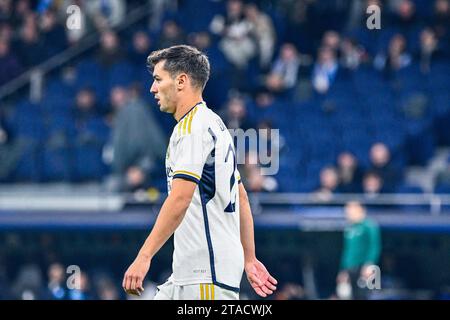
<point>170,216</point>
<point>258,276</point>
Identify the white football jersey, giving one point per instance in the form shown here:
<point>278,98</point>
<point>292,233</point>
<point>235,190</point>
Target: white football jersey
<point>207,246</point>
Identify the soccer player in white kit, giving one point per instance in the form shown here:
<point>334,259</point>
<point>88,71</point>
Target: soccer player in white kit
<point>207,208</point>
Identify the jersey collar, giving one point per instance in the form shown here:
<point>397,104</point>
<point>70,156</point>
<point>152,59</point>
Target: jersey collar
<point>199,103</point>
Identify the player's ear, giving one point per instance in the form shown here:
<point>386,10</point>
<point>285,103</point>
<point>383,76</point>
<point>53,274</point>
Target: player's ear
<point>181,81</point>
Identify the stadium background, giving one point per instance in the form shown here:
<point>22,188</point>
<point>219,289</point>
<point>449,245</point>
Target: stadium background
<point>363,114</point>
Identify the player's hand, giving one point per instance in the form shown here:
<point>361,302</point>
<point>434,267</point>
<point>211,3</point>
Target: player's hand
<point>260,279</point>
<point>134,276</point>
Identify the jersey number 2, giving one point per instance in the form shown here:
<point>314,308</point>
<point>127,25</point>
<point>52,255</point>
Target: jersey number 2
<point>231,207</point>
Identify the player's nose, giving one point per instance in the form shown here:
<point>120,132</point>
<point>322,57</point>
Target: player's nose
<point>153,88</point>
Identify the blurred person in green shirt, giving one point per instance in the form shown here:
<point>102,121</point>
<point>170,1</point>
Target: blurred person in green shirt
<point>360,255</point>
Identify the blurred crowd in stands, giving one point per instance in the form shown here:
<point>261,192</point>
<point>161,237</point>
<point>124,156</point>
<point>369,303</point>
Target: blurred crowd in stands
<point>355,107</point>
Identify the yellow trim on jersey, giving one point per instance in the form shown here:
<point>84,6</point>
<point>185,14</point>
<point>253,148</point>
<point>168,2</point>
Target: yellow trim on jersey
<point>187,173</point>
<point>207,291</point>
<point>202,294</point>
<point>179,127</point>
<point>191,117</point>
<point>185,125</point>
<point>212,292</point>
<point>185,121</point>
<point>188,121</point>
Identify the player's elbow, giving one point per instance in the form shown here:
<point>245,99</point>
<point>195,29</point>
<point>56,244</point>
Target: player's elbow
<point>181,194</point>
<point>181,201</point>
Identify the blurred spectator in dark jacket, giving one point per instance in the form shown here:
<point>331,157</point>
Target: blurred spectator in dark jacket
<point>396,58</point>
<point>85,105</point>
<point>405,16</point>
<point>380,163</point>
<point>440,22</point>
<point>105,285</point>
<point>332,40</point>
<point>30,48</point>
<point>352,54</point>
<point>118,98</point>
<point>56,281</point>
<point>325,70</point>
<point>6,31</point>
<point>429,49</point>
<point>329,184</point>
<point>110,51</point>
<point>53,33</point>
<point>9,63</point>
<point>236,115</point>
<point>141,46</point>
<point>138,142</point>
<point>6,11</point>
<point>171,35</point>
<point>372,185</point>
<point>263,106</point>
<point>91,135</point>
<point>284,73</point>
<point>22,10</point>
<point>107,290</point>
<point>349,172</point>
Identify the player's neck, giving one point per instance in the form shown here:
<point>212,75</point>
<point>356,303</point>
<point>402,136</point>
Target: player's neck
<point>186,105</point>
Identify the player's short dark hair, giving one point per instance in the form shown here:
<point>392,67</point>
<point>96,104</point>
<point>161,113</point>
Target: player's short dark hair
<point>183,58</point>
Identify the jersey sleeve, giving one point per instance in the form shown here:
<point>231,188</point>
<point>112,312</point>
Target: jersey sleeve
<point>191,153</point>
